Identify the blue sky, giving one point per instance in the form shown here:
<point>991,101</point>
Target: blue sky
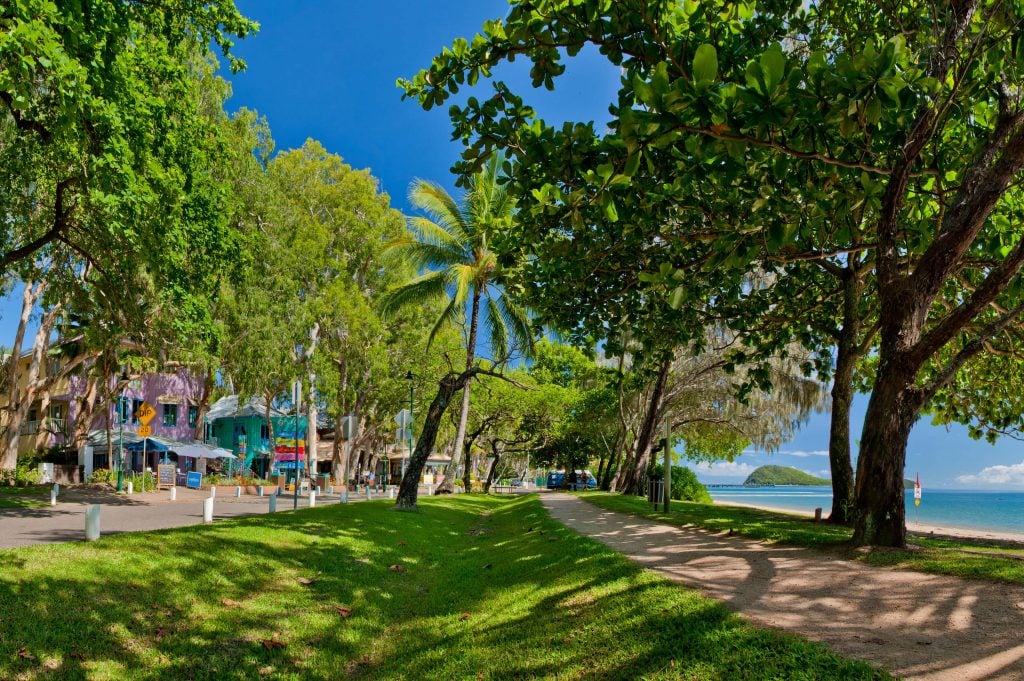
<point>327,70</point>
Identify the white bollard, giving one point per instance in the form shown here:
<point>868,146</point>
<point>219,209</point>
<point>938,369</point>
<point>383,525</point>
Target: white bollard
<point>430,490</point>
<point>273,503</point>
<point>208,510</point>
<point>330,489</point>
<point>259,490</point>
<point>368,492</point>
<point>130,489</point>
<point>391,492</point>
<point>174,493</point>
<point>312,499</point>
<point>238,490</point>
<point>213,491</point>
<point>344,494</point>
<point>53,495</point>
<point>92,522</point>
<point>318,490</point>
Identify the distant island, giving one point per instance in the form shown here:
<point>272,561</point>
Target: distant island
<point>908,483</point>
<point>781,475</point>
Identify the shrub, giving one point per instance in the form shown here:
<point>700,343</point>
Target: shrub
<point>101,475</point>
<point>685,485</point>
<point>214,479</point>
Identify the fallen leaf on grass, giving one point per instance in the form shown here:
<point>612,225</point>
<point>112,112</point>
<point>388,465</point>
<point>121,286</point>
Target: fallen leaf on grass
<point>344,612</point>
<point>230,603</point>
<point>160,633</point>
<point>25,655</point>
<point>266,671</point>
<point>305,581</point>
<point>274,642</point>
<point>402,543</point>
<point>464,616</point>
<point>396,568</point>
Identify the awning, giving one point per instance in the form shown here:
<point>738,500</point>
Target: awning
<point>192,450</point>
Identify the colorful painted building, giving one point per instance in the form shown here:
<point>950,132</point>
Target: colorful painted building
<point>242,428</point>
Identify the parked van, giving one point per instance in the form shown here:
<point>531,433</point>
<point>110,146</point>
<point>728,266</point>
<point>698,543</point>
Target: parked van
<point>557,478</point>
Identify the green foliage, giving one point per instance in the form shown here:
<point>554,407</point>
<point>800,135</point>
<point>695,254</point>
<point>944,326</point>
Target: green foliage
<point>782,475</point>
<point>25,474</point>
<point>685,485</point>
<point>101,475</point>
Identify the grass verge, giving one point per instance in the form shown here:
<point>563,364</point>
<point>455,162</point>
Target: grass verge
<point>974,559</point>
<point>22,497</point>
<point>485,588</point>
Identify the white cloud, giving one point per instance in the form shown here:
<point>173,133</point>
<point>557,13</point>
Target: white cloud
<point>726,469</point>
<point>825,474</point>
<point>804,454</point>
<point>996,475</point>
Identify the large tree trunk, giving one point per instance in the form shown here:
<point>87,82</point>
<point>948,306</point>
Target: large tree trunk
<point>86,409</point>
<point>880,514</point>
<point>633,478</point>
<point>447,387</point>
<point>460,433</point>
<point>204,406</point>
<point>494,466</point>
<point>18,409</point>
<point>842,401</point>
<point>9,442</point>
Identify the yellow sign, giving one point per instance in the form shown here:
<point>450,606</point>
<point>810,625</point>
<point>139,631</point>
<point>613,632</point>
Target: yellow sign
<point>917,502</point>
<point>145,431</point>
<point>145,414</point>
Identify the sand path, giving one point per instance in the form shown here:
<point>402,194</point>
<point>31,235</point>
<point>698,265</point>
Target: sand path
<point>916,625</point>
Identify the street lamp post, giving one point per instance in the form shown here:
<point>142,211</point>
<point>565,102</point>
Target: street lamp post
<point>412,418</point>
<point>295,489</point>
<point>120,433</point>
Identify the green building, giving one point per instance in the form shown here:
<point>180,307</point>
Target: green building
<point>242,428</point>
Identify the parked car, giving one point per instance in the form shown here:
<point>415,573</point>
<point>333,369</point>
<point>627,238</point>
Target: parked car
<point>557,478</point>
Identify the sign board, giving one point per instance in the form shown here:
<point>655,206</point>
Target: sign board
<point>348,427</point>
<point>166,475</point>
<point>145,413</point>
<point>403,419</point>
<point>145,431</point>
<point>194,479</point>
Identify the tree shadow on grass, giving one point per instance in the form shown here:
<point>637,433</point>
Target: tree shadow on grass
<point>482,587</point>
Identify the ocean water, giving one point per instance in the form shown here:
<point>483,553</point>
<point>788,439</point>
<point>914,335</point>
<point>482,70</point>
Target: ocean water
<point>997,511</point>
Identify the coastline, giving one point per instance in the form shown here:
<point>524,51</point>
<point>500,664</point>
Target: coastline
<point>912,527</point>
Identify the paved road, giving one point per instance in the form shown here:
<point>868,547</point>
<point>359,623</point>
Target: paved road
<point>122,513</point>
<point>917,625</point>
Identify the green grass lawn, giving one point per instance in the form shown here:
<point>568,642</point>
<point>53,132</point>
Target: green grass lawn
<point>487,588</point>
<point>963,558</point>
<point>23,497</point>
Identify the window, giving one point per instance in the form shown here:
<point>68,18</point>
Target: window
<point>123,409</point>
<point>264,433</point>
<point>136,405</point>
<point>193,416</point>
<point>170,415</point>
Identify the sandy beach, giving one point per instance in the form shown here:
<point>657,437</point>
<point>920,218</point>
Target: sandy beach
<point>912,527</point>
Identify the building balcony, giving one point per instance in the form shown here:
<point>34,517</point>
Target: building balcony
<point>49,425</point>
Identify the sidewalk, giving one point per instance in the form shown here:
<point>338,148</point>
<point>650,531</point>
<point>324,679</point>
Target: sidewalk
<point>143,511</point>
<point>916,625</point>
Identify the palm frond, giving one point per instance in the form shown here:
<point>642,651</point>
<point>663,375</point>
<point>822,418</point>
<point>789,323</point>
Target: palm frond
<point>448,316</point>
<point>462,277</point>
<point>420,254</point>
<point>417,291</point>
<point>497,328</point>
<point>518,321</point>
<point>435,200</point>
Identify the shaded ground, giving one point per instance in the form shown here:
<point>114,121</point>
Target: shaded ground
<point>41,523</point>
<point>917,625</point>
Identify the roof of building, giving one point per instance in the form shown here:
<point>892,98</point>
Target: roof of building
<point>229,408</point>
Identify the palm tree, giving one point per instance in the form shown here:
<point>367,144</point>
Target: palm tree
<point>452,249</point>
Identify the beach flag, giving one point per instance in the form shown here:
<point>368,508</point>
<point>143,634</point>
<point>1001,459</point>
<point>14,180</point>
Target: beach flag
<point>917,490</point>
